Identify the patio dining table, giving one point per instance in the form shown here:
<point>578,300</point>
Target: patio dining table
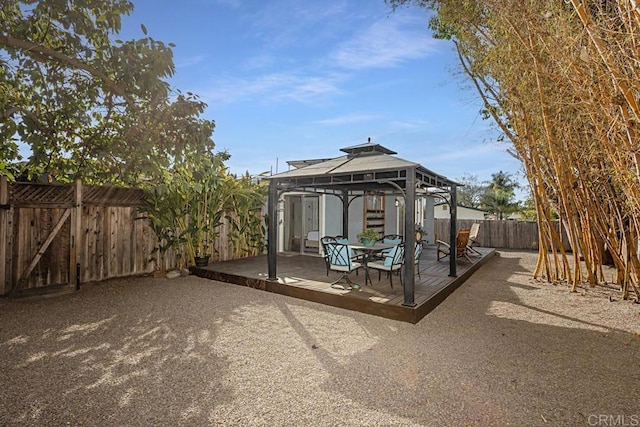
<point>368,251</point>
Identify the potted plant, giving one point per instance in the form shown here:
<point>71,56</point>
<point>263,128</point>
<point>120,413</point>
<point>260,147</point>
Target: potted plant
<point>199,226</point>
<point>209,199</point>
<point>368,237</point>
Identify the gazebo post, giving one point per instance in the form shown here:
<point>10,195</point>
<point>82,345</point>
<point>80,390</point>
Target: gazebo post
<point>345,213</point>
<point>453,231</point>
<point>272,231</point>
<point>409,238</point>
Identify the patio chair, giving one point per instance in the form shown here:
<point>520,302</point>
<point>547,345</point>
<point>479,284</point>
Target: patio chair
<point>323,241</point>
<point>390,239</point>
<point>354,256</point>
<point>462,241</point>
<point>416,256</point>
<point>473,238</point>
<point>392,263</point>
<point>340,261</point>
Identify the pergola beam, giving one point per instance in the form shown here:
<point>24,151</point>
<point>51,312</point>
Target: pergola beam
<point>272,230</point>
<point>409,240</point>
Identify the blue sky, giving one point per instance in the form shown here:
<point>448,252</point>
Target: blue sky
<point>290,79</point>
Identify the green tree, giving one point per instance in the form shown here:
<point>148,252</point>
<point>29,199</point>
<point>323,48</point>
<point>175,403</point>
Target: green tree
<point>471,191</point>
<point>87,104</point>
<point>499,195</point>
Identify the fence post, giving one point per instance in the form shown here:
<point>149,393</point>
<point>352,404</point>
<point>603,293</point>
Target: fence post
<point>4,233</point>
<point>76,234</point>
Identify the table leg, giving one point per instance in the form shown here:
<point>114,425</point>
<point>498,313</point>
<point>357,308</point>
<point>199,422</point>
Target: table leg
<point>365,262</point>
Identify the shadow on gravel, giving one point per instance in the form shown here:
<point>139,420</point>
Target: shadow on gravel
<point>485,358</point>
<point>117,353</point>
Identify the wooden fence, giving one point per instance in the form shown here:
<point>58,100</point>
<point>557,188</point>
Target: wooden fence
<point>501,234</point>
<point>47,230</point>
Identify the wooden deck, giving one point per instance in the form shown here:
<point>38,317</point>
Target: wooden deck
<point>305,277</point>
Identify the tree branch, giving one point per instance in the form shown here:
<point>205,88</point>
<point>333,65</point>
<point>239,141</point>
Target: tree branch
<point>36,50</point>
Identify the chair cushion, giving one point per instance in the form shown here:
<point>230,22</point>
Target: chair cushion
<point>385,252</point>
<point>378,265</point>
<point>392,241</point>
<point>346,268</point>
<point>346,242</point>
<point>418,251</point>
<point>389,256</point>
<point>344,258</point>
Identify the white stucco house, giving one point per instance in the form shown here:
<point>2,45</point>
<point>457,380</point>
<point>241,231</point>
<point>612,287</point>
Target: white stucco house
<point>441,211</point>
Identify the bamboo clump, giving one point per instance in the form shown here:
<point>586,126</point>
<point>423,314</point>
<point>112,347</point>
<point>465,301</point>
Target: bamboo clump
<point>562,80</point>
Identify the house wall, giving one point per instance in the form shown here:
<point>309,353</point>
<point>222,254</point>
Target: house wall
<point>356,218</point>
<point>332,214</point>
<point>393,216</point>
<point>442,212</point>
<point>428,223</point>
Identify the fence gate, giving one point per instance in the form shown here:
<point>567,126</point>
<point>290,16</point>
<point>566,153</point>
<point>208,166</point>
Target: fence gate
<point>39,229</point>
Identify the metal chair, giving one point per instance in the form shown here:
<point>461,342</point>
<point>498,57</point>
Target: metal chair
<point>340,261</point>
<point>391,239</point>
<point>416,256</point>
<point>323,241</point>
<point>391,263</point>
<point>354,256</point>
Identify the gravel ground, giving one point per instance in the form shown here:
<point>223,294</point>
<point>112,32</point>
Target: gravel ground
<point>502,350</point>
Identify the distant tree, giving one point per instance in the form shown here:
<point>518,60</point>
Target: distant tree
<point>499,195</point>
<point>471,191</point>
<point>87,104</point>
<point>527,210</point>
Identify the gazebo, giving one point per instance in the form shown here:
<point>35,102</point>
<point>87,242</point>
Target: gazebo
<point>367,167</point>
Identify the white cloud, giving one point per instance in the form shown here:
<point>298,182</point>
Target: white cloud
<point>468,152</point>
<point>273,87</point>
<point>292,22</point>
<point>189,61</point>
<point>409,124</point>
<point>386,43</point>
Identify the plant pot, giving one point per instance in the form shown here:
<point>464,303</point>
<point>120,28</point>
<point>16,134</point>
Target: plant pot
<point>368,242</point>
<point>202,260</point>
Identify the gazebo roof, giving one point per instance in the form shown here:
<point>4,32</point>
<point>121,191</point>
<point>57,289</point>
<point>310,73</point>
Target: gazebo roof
<point>366,166</point>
